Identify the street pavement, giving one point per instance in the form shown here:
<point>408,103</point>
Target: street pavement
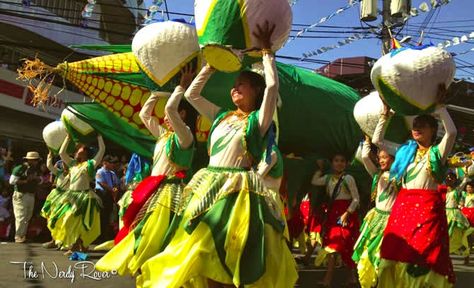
<point>30,265</point>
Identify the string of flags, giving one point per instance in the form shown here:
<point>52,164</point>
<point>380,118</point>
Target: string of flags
<point>153,9</point>
<point>348,40</point>
<point>457,40</point>
<point>351,4</point>
<point>414,12</point>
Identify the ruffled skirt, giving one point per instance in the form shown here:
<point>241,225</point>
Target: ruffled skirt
<point>415,247</point>
<point>231,232</point>
<point>338,239</point>
<point>367,248</point>
<point>148,231</point>
<point>77,216</point>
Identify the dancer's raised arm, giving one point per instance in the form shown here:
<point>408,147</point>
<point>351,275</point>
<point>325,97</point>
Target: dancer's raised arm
<point>146,114</point>
<point>270,96</point>
<point>63,151</point>
<point>183,132</point>
<point>100,154</point>
<point>193,94</point>
<point>368,164</point>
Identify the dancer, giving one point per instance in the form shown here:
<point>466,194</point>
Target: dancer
<point>61,183</point>
<point>77,219</point>
<point>341,228</point>
<point>468,211</point>
<point>415,250</point>
<point>156,200</point>
<point>384,192</point>
<point>232,231</point>
<point>458,224</point>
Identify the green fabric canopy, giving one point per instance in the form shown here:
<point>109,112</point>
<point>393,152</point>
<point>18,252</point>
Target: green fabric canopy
<point>113,128</point>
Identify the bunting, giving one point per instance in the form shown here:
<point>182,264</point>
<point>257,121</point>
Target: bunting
<point>414,12</point>
<point>152,11</point>
<point>322,20</point>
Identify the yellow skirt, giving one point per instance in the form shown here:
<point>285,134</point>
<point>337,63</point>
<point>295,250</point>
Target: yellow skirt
<point>78,217</point>
<point>394,274</point>
<point>146,239</point>
<point>228,215</point>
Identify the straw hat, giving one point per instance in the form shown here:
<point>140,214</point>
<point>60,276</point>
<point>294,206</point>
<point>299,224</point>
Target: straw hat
<point>32,155</point>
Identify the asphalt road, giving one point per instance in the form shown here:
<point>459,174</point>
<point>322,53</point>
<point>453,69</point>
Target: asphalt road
<point>30,265</point>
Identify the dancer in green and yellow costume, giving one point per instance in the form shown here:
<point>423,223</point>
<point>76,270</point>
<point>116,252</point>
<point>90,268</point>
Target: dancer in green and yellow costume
<point>384,192</point>
<point>61,183</point>
<point>232,228</point>
<point>77,218</point>
<point>156,200</point>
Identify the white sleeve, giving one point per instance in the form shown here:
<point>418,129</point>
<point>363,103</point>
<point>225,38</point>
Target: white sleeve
<point>184,134</point>
<point>146,114</point>
<point>379,135</point>
<point>100,154</point>
<point>449,138</point>
<point>270,96</point>
<point>13,179</point>
<point>50,165</point>
<point>63,152</point>
<point>193,94</point>
<point>368,164</point>
<point>318,180</point>
<point>354,193</point>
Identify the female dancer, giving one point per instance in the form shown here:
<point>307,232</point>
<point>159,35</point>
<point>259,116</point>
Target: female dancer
<point>156,199</point>
<point>61,183</point>
<point>415,251</point>
<point>78,218</point>
<point>458,224</point>
<point>384,192</point>
<point>232,231</point>
<point>341,228</point>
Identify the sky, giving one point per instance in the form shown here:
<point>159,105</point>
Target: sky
<point>450,20</point>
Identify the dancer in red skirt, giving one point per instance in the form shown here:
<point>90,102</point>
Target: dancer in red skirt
<point>415,249</point>
<point>341,227</point>
<point>468,211</point>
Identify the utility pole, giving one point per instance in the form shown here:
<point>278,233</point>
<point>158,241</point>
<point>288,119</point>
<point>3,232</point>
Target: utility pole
<point>386,43</point>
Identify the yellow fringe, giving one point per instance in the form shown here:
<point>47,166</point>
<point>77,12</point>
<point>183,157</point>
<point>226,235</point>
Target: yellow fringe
<point>36,69</point>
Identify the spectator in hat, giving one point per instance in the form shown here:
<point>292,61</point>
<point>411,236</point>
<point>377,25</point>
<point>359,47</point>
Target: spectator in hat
<point>26,180</point>
<point>107,188</point>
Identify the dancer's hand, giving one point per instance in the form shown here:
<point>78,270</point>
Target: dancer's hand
<point>187,75</point>
<point>345,219</point>
<point>264,34</point>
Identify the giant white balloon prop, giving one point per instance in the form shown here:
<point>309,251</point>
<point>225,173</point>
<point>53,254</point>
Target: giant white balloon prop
<point>54,134</point>
<point>408,78</point>
<point>163,48</point>
<point>367,112</point>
